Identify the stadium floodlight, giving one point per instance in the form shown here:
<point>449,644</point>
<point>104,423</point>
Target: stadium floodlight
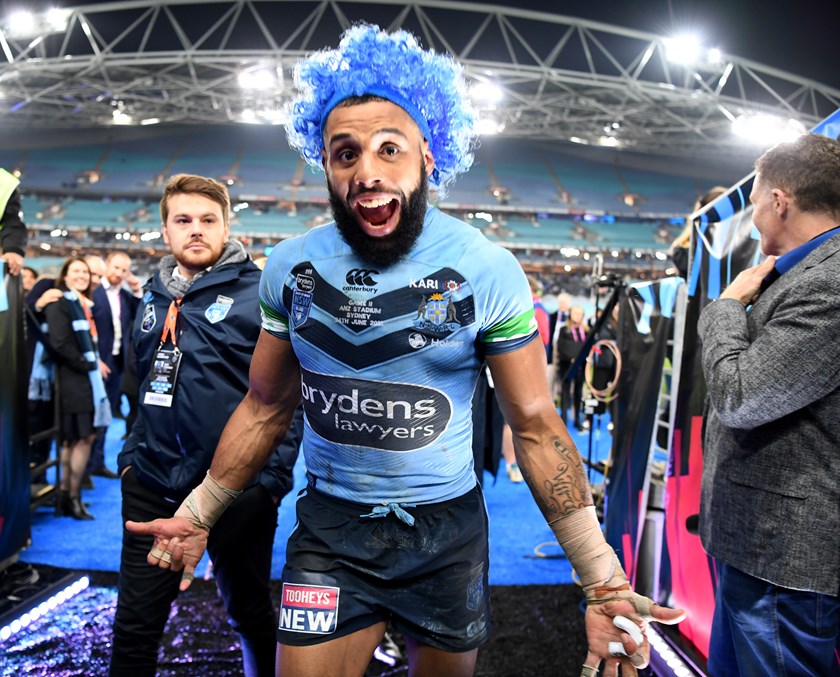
<point>262,115</point>
<point>273,115</point>
<point>23,24</point>
<point>687,49</point>
<point>259,79</point>
<point>683,49</point>
<point>489,127</point>
<point>121,118</point>
<point>486,92</point>
<point>766,130</point>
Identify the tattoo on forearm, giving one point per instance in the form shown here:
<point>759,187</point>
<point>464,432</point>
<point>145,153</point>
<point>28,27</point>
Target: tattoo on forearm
<point>568,490</point>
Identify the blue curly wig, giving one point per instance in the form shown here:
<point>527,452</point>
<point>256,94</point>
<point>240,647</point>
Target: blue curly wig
<point>429,87</point>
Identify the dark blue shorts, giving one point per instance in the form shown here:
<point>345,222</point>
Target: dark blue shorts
<point>345,572</point>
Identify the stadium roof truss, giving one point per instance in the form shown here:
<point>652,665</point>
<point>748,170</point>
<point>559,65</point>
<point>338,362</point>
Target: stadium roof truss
<point>560,78</point>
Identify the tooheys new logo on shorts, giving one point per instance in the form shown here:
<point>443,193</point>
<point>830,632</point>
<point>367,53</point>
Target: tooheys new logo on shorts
<point>378,414</point>
<point>309,608</point>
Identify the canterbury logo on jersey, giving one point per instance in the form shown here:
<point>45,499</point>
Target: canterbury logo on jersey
<point>376,414</point>
<point>359,277</point>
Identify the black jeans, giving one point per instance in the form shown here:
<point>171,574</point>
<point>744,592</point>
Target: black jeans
<point>239,546</point>
<point>571,394</point>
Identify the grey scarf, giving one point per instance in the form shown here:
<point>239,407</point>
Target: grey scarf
<point>234,252</point>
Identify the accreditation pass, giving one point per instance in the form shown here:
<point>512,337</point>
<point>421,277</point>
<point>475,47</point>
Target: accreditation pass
<point>161,387</point>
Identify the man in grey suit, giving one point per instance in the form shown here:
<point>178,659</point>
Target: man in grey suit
<point>770,505</point>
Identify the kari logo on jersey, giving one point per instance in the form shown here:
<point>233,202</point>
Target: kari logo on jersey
<point>309,608</point>
<point>376,414</point>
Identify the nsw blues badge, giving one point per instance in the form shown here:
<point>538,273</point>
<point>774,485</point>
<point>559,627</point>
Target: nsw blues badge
<point>475,589</point>
<point>218,311</point>
<point>301,305</point>
<point>309,608</point>
<point>302,299</point>
<point>149,319</point>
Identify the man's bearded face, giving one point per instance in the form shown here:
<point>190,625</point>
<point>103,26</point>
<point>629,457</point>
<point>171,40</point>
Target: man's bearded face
<point>387,250</point>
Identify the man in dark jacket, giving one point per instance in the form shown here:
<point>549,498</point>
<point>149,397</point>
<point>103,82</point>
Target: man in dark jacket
<point>12,229</point>
<point>194,335</point>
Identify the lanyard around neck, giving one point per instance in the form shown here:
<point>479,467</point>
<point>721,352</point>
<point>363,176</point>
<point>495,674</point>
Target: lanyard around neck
<point>171,323</point>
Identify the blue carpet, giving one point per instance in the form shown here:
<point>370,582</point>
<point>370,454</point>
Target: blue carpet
<point>518,532</point>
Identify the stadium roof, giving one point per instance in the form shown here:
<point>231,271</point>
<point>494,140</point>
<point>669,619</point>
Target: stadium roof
<point>558,78</point>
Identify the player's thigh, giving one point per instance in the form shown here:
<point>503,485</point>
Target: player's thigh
<point>347,656</point>
<point>427,661</point>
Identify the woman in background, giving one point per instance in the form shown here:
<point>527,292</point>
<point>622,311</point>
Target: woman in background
<point>81,390</point>
<point>679,252</point>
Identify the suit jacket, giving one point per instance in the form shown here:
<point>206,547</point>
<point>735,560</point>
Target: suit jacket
<point>104,321</point>
<point>567,348</point>
<point>770,503</point>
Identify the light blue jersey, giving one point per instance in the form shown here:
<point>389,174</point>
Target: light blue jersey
<point>389,358</point>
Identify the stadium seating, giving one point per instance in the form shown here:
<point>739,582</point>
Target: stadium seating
<point>537,195</point>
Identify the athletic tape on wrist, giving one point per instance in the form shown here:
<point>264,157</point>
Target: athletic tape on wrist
<point>206,503</point>
<point>601,575</point>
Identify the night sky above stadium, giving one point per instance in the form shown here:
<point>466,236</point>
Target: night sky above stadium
<point>796,37</point>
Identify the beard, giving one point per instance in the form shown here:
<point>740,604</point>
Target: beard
<point>392,248</point>
<point>198,260</point>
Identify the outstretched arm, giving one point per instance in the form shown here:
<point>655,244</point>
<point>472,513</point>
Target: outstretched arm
<point>260,422</point>
<point>553,469</point>
<point>253,431</point>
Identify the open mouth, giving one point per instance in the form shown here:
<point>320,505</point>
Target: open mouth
<point>378,214</point>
